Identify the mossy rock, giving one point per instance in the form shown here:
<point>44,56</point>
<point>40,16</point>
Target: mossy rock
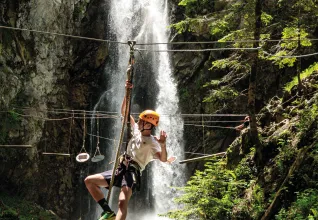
<point>13,207</point>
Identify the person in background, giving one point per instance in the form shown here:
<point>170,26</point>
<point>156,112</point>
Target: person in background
<point>245,124</point>
<point>142,148</point>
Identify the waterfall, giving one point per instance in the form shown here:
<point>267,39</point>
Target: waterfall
<point>145,21</point>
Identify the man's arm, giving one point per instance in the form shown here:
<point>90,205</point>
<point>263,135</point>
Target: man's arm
<point>123,106</point>
<point>162,156</point>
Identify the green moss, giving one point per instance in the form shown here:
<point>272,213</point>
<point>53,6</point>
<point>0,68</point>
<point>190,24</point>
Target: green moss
<point>16,208</point>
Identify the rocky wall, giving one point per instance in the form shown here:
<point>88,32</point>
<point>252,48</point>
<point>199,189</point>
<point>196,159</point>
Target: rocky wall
<point>39,74</point>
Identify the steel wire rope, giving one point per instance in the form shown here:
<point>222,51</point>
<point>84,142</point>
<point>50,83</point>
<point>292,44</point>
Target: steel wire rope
<point>162,115</point>
<point>240,121</point>
<point>118,42</point>
<point>70,111</point>
<point>59,34</point>
<point>291,56</point>
<point>210,126</point>
<point>201,50</point>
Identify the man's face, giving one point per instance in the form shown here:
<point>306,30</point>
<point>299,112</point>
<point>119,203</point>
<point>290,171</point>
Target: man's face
<point>143,125</point>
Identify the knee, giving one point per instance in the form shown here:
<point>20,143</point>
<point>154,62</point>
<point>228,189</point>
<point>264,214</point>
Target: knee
<point>88,181</point>
<point>122,204</point>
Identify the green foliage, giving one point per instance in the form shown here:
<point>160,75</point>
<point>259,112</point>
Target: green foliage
<point>244,171</point>
<point>80,9</point>
<point>233,64</point>
<point>266,18</point>
<point>307,72</point>
<point>293,33</point>
<point>307,117</point>
<point>258,202</point>
<point>305,207</point>
<point>220,97</point>
<point>184,94</point>
<point>186,2</point>
<point>10,121</point>
<point>282,60</point>
<point>16,208</point>
<point>213,83</point>
<point>196,25</point>
<point>209,194</point>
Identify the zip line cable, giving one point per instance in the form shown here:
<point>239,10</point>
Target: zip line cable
<point>111,114</point>
<point>62,35</point>
<point>149,44</point>
<point>202,50</point>
<point>291,56</point>
<point>162,115</point>
<point>209,126</point>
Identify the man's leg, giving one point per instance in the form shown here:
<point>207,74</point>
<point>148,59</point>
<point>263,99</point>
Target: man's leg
<point>93,182</point>
<point>124,198</point>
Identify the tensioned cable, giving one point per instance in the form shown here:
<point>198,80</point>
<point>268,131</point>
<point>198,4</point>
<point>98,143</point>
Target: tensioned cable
<point>291,56</point>
<point>118,42</point>
<point>56,119</point>
<point>240,121</point>
<point>63,35</point>
<point>196,153</point>
<point>210,126</point>
<point>202,50</point>
<point>105,138</point>
<point>70,111</point>
<point>228,41</point>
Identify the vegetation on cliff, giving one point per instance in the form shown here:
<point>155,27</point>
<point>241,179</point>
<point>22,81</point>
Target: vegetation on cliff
<point>275,177</point>
<point>12,207</point>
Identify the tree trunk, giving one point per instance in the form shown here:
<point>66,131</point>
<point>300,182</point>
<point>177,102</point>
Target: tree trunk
<point>252,83</point>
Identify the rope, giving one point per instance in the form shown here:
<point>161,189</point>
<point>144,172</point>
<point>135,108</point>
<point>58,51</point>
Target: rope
<point>97,135</point>
<point>58,34</point>
<point>84,134</point>
<point>202,50</point>
<point>228,41</point>
<point>115,114</point>
<point>207,126</point>
<point>22,146</point>
<point>70,135</point>
<point>291,56</point>
<point>124,121</point>
<point>118,42</point>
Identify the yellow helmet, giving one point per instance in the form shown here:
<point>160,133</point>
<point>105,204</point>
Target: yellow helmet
<point>150,116</point>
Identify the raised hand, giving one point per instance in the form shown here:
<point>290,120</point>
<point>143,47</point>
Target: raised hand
<point>163,137</point>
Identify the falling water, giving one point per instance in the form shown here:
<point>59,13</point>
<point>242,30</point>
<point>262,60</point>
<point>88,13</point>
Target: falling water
<point>145,21</point>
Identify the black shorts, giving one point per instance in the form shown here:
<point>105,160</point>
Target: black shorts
<point>124,177</point>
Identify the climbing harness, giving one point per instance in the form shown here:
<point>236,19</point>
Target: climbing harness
<point>83,156</point>
<point>97,156</point>
<point>126,118</point>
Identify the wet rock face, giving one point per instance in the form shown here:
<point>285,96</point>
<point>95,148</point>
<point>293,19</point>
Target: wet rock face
<point>39,72</point>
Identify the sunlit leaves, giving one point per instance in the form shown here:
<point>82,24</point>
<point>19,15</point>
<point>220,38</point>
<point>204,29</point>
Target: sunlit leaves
<point>282,61</point>
<point>185,2</point>
<point>266,18</point>
<point>210,194</point>
<point>291,34</point>
<point>307,72</point>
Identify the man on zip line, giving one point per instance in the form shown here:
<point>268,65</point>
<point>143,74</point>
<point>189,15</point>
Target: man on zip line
<point>142,149</point>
